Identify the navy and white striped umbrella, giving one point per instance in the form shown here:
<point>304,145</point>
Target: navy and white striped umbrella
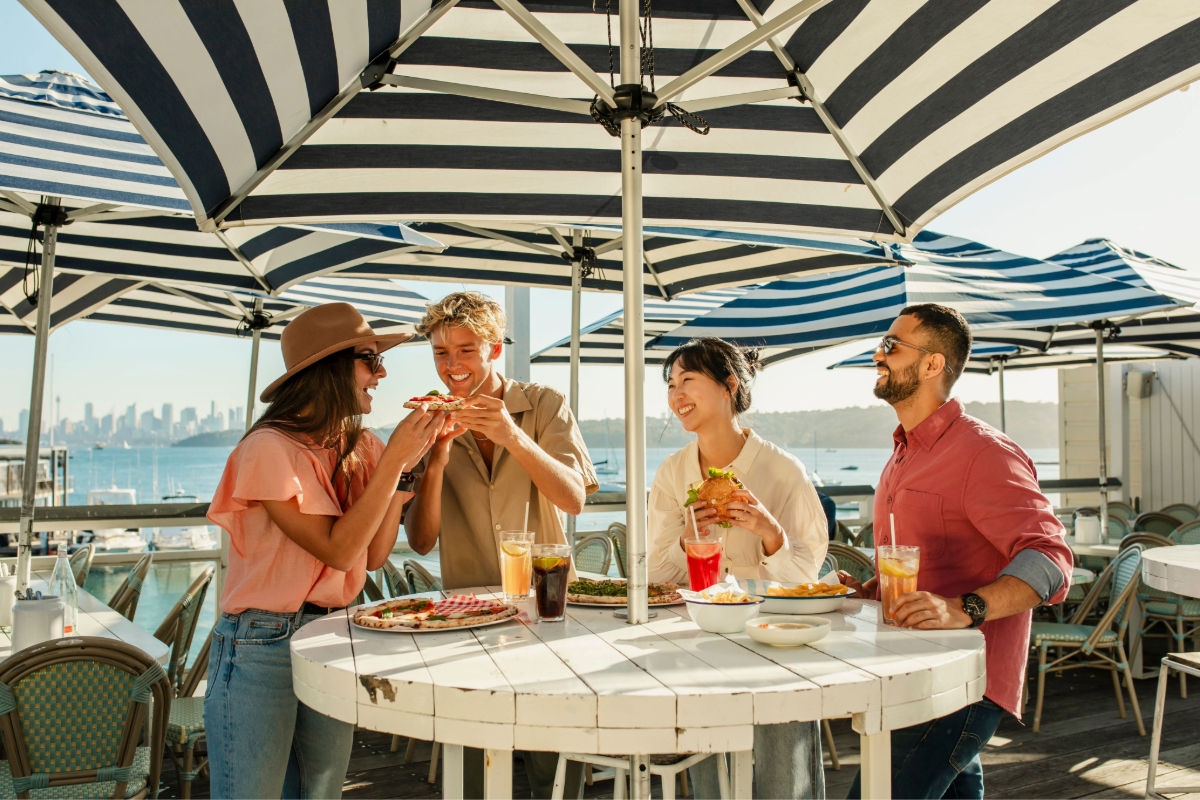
<point>991,288</point>
<point>603,341</point>
<point>849,116</point>
<point>988,358</point>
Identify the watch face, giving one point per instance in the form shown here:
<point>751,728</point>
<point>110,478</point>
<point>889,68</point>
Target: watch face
<point>975,606</point>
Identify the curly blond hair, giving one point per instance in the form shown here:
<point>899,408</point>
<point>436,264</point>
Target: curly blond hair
<point>474,311</point>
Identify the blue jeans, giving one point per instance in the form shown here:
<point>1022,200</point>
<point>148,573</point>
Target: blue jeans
<point>262,741</point>
<point>940,758</point>
<point>787,763</point>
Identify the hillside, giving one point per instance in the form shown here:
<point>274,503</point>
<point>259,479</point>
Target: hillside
<point>1032,425</point>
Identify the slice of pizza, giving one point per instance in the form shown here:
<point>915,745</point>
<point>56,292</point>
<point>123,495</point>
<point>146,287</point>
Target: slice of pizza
<point>436,401</point>
<point>464,610</point>
<point>401,612</point>
<point>613,592</point>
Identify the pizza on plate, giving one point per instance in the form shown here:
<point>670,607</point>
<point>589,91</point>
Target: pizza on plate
<point>437,401</point>
<point>419,613</point>
<point>613,593</point>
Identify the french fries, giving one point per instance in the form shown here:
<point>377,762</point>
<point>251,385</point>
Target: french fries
<point>809,590</point>
<point>727,596</point>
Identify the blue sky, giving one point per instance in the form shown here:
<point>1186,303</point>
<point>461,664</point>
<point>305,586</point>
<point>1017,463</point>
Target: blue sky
<point>1132,181</point>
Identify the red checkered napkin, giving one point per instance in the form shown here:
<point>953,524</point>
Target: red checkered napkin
<point>465,603</point>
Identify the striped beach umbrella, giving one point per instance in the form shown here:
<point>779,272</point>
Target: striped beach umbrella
<point>846,117</point>
<point>990,287</point>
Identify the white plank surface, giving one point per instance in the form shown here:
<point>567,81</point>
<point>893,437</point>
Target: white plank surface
<point>1173,569</point>
<point>593,683</point>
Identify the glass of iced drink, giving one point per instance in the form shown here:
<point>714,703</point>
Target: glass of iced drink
<point>551,570</point>
<point>516,564</point>
<point>703,561</point>
<point>898,565</point>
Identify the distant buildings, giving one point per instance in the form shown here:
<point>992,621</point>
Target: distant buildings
<point>130,426</point>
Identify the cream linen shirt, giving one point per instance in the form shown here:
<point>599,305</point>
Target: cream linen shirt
<point>477,505</point>
<point>778,480</point>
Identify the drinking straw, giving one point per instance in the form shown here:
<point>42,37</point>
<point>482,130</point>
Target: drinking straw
<point>525,525</point>
<point>892,526</point>
<point>695,527</point>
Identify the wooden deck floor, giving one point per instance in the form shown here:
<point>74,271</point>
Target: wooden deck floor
<point>1083,750</point>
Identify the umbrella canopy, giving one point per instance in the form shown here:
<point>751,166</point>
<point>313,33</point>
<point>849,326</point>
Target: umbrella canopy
<point>989,358</point>
<point>990,287</point>
<point>869,117</point>
<point>122,228</point>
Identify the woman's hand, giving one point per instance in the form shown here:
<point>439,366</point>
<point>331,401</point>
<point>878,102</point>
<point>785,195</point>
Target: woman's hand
<point>746,512</point>
<point>416,433</point>
<point>864,590</point>
<point>705,515</point>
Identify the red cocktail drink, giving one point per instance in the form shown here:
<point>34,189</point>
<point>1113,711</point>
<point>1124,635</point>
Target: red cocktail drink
<point>704,561</point>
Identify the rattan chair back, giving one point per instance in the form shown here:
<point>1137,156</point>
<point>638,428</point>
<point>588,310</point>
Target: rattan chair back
<point>394,580</point>
<point>593,554</point>
<point>852,560</point>
<point>1184,512</point>
<point>1187,533</point>
<point>1146,540</point>
<point>81,563</point>
<point>419,578</point>
<point>1156,522</point>
<point>178,627</point>
<point>125,599</point>
<point>72,712</point>
<point>617,535</point>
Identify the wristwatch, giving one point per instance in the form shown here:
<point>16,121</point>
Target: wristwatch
<point>976,607</point>
<point>407,482</point>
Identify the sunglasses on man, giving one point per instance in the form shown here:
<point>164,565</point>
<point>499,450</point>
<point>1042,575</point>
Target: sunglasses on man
<point>888,343</point>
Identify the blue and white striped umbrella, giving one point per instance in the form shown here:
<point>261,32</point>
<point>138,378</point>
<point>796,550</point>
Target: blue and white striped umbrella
<point>990,287</point>
<point>863,117</point>
<point>988,358</point>
<point>603,341</point>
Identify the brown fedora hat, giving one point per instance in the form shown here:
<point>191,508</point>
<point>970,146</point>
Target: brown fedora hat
<point>321,331</point>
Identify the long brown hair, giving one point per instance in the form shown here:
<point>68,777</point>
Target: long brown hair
<point>320,402</point>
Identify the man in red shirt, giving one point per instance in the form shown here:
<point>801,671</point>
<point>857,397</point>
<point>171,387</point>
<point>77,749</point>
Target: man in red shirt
<point>991,547</point>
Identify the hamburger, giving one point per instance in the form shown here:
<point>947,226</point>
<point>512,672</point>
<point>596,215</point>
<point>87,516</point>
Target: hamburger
<point>716,490</point>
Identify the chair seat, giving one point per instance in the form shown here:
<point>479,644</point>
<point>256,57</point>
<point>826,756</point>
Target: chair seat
<point>1169,608</point>
<point>135,787</point>
<point>1051,632</point>
<point>186,721</point>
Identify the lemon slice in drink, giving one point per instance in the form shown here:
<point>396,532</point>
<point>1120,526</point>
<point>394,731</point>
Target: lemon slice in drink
<point>514,549</point>
<point>896,569</point>
<point>547,563</point>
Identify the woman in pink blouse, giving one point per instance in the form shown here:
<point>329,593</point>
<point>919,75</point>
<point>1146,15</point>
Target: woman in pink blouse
<point>310,501</point>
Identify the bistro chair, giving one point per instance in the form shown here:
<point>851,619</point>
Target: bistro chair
<point>1156,522</point>
<point>179,625</point>
<point>125,599</point>
<point>616,532</point>
<point>370,592</point>
<point>593,554</point>
<point>394,580</point>
<point>865,536</point>
<point>1184,664</point>
<point>1184,512</point>
<point>829,565</point>
<point>852,560</point>
<point>1119,508</point>
<point>1077,644</point>
<point>185,728</point>
<point>419,578</point>
<point>1146,540</point>
<point>668,768</point>
<point>71,714</point>
<point>81,563</point>
<point>1187,533</point>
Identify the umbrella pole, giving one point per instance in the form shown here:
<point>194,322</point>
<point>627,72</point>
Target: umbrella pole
<point>576,291</point>
<point>1000,380</point>
<point>1103,452</point>
<point>252,381</point>
<point>51,215</point>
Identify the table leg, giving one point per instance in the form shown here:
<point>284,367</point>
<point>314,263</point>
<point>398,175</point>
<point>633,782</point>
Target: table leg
<point>876,764</point>
<point>452,771</point>
<point>741,777</point>
<point>497,773</point>
<point>639,777</point>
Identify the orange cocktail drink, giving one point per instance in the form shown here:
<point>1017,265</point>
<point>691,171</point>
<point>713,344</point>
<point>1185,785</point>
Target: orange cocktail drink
<point>898,567</point>
<point>703,561</point>
<point>516,563</point>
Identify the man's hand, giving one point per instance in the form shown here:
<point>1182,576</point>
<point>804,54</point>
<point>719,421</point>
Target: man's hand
<point>488,416</point>
<point>930,611</point>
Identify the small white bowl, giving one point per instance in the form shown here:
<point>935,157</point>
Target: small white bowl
<point>722,617</point>
<point>787,631</point>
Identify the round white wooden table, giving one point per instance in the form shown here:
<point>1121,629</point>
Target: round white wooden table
<point>1173,569</point>
<point>595,684</point>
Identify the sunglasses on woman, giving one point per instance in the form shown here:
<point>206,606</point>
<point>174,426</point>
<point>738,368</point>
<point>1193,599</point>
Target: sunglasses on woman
<point>374,361</point>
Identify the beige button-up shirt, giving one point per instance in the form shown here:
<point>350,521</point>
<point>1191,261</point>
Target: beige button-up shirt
<point>777,479</point>
<point>478,504</point>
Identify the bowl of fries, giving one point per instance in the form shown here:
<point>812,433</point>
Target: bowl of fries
<point>800,598</point>
<point>721,610</point>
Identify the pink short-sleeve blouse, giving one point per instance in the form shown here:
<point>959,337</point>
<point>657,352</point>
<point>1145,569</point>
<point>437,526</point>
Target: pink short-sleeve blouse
<point>267,570</point>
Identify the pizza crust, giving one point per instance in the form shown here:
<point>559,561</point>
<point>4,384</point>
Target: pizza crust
<point>436,405</point>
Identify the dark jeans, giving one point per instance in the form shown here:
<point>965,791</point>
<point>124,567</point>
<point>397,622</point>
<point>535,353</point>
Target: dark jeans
<point>940,758</point>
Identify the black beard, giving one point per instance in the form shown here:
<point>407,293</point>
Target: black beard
<point>898,387</point>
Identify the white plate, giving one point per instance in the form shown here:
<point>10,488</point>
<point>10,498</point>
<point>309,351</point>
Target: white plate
<point>776,604</point>
<point>787,631</point>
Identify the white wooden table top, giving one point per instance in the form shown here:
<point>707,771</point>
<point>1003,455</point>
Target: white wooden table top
<point>595,684</point>
<point>97,619</point>
<point>1173,569</point>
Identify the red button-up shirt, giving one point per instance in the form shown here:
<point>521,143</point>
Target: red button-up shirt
<point>969,497</point>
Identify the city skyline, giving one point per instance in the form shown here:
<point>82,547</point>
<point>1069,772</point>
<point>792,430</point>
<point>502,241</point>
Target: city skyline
<point>1127,181</point>
<point>130,423</point>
